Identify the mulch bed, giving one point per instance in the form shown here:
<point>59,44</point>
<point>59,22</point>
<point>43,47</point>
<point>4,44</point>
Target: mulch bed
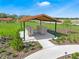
<point>70,56</point>
<point>65,42</point>
<point>64,31</point>
<point>22,55</point>
<point>65,57</point>
<point>9,53</point>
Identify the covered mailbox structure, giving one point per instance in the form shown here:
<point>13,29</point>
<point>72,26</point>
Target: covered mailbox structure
<point>41,17</point>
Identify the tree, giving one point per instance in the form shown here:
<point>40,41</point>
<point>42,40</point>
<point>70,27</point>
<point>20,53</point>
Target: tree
<point>3,15</point>
<point>13,16</point>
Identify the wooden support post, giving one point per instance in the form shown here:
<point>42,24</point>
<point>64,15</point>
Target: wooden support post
<point>40,27</point>
<point>21,25</point>
<point>55,28</point>
<point>40,22</point>
<point>24,29</point>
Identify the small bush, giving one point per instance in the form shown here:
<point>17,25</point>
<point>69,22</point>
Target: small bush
<point>15,55</point>
<point>8,53</point>
<point>75,56</point>
<point>26,50</point>
<point>2,50</point>
<point>17,44</point>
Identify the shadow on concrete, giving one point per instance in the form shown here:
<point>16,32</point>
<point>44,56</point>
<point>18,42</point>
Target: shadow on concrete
<point>45,36</point>
<point>58,34</point>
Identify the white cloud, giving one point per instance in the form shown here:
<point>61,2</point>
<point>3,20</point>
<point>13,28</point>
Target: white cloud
<point>45,3</point>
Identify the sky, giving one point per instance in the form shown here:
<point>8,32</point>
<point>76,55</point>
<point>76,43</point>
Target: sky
<point>54,8</point>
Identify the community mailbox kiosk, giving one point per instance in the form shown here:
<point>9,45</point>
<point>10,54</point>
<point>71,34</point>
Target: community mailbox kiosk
<point>40,17</point>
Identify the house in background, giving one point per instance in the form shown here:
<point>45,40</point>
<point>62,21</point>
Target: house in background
<point>75,22</point>
<point>7,19</point>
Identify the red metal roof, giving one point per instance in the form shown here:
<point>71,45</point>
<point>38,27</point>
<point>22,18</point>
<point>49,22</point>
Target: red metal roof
<point>6,19</point>
<point>41,17</point>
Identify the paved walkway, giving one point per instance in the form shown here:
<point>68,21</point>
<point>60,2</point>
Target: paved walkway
<point>54,52</point>
<point>46,43</point>
<point>50,50</point>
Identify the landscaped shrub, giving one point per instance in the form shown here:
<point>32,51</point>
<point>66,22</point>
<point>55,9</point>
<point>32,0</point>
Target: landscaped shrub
<point>61,40</point>
<point>77,53</point>
<point>15,55</point>
<point>58,41</point>
<point>17,44</point>
<point>75,56</point>
<point>2,50</point>
<point>71,41</point>
<point>31,46</point>
<point>26,50</point>
<point>9,53</point>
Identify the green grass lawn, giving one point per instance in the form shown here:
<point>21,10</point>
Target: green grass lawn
<point>12,28</point>
<point>61,26</point>
<point>9,28</point>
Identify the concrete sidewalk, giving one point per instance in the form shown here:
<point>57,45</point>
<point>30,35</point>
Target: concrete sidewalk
<point>54,52</point>
<point>50,50</point>
<point>46,43</point>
